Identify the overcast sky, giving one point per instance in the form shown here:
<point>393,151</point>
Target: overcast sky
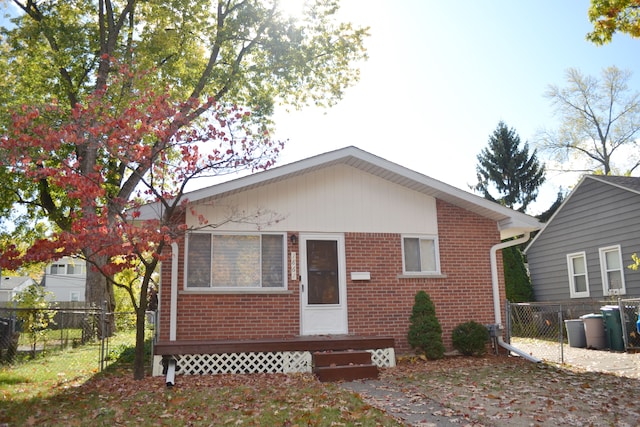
<point>441,75</point>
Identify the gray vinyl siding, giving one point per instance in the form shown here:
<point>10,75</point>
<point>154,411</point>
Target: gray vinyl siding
<point>596,215</point>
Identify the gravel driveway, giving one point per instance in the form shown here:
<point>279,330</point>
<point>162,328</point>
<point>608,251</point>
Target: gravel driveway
<point>618,363</point>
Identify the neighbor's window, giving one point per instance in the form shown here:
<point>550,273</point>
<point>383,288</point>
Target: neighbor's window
<point>235,261</point>
<point>578,277</point>
<point>76,269</point>
<point>612,271</point>
<point>58,268</point>
<point>420,255</point>
<point>75,296</point>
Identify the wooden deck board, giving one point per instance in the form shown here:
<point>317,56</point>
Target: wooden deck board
<point>299,343</point>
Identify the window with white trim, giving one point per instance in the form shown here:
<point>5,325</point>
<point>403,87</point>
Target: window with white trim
<point>612,270</point>
<point>76,269</point>
<point>75,296</point>
<point>58,269</point>
<point>235,261</point>
<point>420,255</point>
<point>578,275</point>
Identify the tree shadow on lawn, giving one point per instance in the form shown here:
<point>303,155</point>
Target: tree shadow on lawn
<point>113,397</point>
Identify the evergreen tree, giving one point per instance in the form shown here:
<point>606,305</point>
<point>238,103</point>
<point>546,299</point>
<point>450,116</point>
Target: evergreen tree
<point>425,332</point>
<point>517,282</point>
<point>546,215</point>
<point>510,170</point>
<point>516,175</point>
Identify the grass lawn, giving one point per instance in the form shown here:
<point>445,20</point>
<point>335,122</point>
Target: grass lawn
<point>67,389</point>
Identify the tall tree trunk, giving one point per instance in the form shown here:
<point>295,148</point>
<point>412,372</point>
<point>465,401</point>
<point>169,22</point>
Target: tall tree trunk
<point>98,291</point>
<point>139,358</point>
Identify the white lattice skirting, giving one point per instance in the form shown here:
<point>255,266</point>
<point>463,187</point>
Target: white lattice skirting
<point>257,362</point>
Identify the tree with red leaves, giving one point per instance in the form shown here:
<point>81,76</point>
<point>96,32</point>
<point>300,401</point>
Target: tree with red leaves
<point>160,148</point>
<point>250,53</point>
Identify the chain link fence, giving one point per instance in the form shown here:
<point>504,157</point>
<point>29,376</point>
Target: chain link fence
<point>541,328</point>
<point>29,332</point>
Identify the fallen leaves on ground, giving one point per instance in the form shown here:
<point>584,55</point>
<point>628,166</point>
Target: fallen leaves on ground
<point>206,400</point>
<point>509,391</point>
<point>489,391</point>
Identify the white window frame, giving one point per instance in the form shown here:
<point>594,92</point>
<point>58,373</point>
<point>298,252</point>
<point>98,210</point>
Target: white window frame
<point>78,269</point>
<point>75,294</point>
<point>57,267</point>
<point>605,270</point>
<point>238,289</point>
<point>572,275</point>
<point>436,248</point>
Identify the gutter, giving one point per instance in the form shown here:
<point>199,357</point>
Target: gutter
<point>496,295</point>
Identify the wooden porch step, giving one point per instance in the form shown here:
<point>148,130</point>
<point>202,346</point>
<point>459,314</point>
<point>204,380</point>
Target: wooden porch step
<point>344,365</point>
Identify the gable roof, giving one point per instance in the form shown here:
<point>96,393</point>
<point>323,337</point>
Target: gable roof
<point>510,223</point>
<point>630,183</point>
<point>627,183</point>
<point>12,282</point>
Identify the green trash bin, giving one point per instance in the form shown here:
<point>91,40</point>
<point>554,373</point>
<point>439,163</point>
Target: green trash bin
<point>613,326</point>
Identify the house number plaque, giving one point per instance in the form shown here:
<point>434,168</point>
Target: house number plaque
<point>294,269</point>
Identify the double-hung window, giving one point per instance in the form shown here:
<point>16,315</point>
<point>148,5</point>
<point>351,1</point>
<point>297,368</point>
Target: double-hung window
<point>76,269</point>
<point>58,268</point>
<point>578,276</point>
<point>420,255</point>
<point>612,271</point>
<point>235,261</point>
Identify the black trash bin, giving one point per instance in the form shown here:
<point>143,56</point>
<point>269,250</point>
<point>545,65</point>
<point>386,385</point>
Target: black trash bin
<point>613,326</point>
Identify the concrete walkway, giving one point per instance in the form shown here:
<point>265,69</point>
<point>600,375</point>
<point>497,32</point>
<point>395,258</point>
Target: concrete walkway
<point>406,405</point>
<point>414,408</point>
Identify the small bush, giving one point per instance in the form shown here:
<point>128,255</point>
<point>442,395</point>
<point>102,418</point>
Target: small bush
<point>425,332</point>
<point>470,338</point>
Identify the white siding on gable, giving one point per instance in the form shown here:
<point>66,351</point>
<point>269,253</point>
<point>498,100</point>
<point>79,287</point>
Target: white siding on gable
<point>337,198</point>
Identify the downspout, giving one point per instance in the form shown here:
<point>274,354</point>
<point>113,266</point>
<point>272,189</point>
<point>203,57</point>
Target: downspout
<point>173,314</point>
<point>496,295</point>
<point>173,310</point>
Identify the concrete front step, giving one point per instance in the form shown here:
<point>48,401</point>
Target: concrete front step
<point>344,366</point>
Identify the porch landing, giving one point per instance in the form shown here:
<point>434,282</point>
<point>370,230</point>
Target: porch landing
<point>298,343</point>
<point>268,355</point>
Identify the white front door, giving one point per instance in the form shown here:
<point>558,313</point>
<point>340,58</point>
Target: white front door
<point>323,293</point>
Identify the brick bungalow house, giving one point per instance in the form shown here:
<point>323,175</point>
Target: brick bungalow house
<point>326,254</point>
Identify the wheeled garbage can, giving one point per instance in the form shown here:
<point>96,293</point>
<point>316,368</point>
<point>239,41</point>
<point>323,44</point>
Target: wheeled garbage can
<point>575,333</point>
<point>594,331</point>
<point>613,327</point>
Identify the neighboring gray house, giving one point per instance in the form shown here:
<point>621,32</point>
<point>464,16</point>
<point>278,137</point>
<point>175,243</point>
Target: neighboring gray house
<point>12,286</point>
<point>585,249</point>
<point>65,279</point>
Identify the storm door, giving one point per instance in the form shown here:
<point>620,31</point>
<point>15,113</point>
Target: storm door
<point>322,285</point>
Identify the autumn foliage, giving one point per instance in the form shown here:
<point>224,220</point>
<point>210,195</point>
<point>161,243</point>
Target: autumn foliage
<point>92,169</point>
<point>152,146</point>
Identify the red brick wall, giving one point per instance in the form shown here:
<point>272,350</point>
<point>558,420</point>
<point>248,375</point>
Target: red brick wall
<point>206,316</point>
<point>380,306</point>
<point>383,304</point>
